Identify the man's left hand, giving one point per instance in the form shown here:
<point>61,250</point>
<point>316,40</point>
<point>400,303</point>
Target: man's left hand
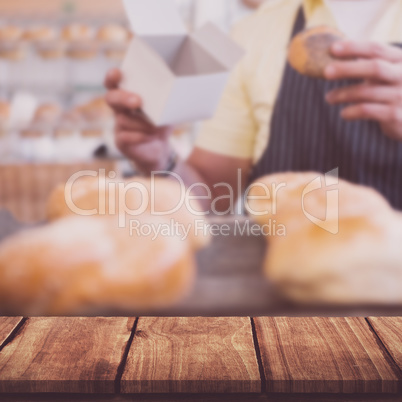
<point>379,96</point>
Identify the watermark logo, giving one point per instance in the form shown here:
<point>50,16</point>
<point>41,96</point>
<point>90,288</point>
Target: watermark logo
<point>328,183</point>
<point>116,197</point>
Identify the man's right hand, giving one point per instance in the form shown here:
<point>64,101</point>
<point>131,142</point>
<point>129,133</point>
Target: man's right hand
<point>146,145</point>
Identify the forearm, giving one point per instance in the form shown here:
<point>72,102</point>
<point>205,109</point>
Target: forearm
<point>194,180</point>
<point>216,179</point>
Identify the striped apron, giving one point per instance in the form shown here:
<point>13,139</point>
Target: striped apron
<point>307,134</point>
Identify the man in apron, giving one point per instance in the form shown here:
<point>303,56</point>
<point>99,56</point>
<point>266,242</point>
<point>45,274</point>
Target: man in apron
<point>272,119</point>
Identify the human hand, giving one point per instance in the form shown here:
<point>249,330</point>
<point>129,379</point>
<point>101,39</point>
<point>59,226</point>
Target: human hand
<point>146,145</point>
<point>379,96</point>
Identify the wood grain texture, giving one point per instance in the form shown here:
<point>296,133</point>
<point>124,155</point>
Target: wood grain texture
<point>7,325</point>
<point>192,355</point>
<point>70,355</point>
<point>332,355</point>
<point>202,398</point>
<point>389,330</point>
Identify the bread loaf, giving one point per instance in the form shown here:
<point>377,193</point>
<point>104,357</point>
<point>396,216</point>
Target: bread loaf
<point>89,266</point>
<point>310,50</point>
<point>160,197</point>
<point>339,248</point>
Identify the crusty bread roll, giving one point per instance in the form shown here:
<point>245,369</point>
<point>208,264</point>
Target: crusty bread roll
<point>80,266</point>
<point>4,113</point>
<point>112,33</point>
<point>80,38</point>
<point>40,34</point>
<point>253,3</point>
<point>98,117</point>
<point>10,43</point>
<point>77,33</point>
<point>309,51</point>
<point>165,198</point>
<point>10,33</point>
<point>47,113</point>
<point>4,117</point>
<point>96,110</point>
<point>45,118</point>
<point>47,41</point>
<point>114,39</point>
<point>323,258</point>
<point>71,122</point>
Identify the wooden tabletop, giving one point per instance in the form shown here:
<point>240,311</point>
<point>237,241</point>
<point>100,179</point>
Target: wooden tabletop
<point>234,359</point>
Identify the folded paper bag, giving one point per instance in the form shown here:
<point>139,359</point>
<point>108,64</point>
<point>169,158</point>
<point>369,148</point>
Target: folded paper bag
<point>180,76</point>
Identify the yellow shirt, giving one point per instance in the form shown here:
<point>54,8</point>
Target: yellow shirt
<point>241,124</point>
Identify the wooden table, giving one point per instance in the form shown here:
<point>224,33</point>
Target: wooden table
<point>204,359</point>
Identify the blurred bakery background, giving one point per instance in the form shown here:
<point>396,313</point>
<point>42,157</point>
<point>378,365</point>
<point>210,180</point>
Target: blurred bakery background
<point>54,55</point>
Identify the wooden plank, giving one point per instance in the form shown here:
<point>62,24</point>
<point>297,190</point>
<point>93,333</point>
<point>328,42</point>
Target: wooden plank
<point>192,355</point>
<point>7,326</point>
<point>333,355</point>
<point>202,398</point>
<point>389,330</point>
<point>71,355</point>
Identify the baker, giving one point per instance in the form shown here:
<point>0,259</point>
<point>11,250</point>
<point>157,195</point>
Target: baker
<point>272,119</point>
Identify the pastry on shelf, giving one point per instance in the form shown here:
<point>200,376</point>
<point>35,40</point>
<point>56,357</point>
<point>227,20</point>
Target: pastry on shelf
<point>80,39</point>
<point>70,123</point>
<point>98,117</point>
<point>114,39</point>
<point>253,3</point>
<point>4,116</point>
<point>45,119</point>
<point>11,46</point>
<point>39,34</point>
<point>47,113</point>
<point>10,33</point>
<point>46,40</point>
<point>4,112</point>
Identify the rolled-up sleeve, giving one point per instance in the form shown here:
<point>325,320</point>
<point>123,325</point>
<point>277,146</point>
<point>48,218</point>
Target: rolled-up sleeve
<point>233,129</point>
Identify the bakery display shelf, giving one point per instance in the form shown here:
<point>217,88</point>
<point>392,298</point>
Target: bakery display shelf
<point>231,282</point>
<point>20,52</point>
<point>76,40</point>
<point>62,91</point>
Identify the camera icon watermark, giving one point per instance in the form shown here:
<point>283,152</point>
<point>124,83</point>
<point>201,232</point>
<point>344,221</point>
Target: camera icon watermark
<point>327,183</point>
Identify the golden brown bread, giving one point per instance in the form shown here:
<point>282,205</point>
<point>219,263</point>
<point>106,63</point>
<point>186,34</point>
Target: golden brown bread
<point>112,34</point>
<point>47,41</point>
<point>77,33</point>
<point>80,38</point>
<point>10,43</point>
<point>47,113</point>
<point>40,34</point>
<point>114,38</point>
<point>96,110</point>
<point>342,248</point>
<point>165,198</point>
<point>10,33</point>
<point>45,118</point>
<point>98,117</point>
<point>4,113</point>
<point>309,51</point>
<point>80,266</point>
